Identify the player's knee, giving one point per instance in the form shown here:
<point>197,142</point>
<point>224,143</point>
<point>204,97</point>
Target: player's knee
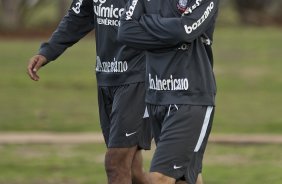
<point>136,172</point>
<point>139,176</point>
<point>110,166</point>
<point>157,178</point>
<point>117,171</point>
<point>137,164</point>
<point>112,162</point>
<point>117,162</point>
<point>199,180</point>
<point>181,182</point>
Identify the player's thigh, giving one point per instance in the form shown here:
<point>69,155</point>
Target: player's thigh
<point>120,157</point>
<point>182,133</point>
<point>105,102</point>
<point>128,124</point>
<point>157,178</point>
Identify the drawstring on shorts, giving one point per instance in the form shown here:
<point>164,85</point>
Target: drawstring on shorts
<point>170,108</point>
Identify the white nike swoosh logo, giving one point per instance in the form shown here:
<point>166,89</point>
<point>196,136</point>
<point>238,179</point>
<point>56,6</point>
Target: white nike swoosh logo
<point>176,167</point>
<point>127,135</point>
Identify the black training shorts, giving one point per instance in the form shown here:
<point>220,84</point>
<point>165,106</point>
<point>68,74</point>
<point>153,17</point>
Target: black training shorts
<point>122,110</point>
<point>181,133</point>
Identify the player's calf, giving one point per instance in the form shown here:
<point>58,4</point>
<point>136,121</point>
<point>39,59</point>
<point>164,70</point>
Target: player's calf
<point>139,176</point>
<point>118,163</point>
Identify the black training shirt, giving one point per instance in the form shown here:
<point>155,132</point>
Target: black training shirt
<point>177,36</point>
<point>116,63</point>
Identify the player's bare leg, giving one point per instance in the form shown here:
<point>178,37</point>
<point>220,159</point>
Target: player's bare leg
<point>157,178</point>
<point>199,180</point>
<point>139,176</point>
<point>118,162</point>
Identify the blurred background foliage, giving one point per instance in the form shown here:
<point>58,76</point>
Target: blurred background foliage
<point>44,14</point>
<point>247,51</point>
<point>26,15</point>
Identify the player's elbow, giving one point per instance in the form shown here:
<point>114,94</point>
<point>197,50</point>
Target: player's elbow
<point>122,36</point>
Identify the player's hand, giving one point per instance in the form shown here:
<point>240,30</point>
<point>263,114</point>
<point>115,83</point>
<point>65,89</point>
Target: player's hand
<point>35,63</point>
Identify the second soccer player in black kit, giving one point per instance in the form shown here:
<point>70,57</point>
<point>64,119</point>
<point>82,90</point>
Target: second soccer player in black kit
<point>177,36</point>
<point>120,72</point>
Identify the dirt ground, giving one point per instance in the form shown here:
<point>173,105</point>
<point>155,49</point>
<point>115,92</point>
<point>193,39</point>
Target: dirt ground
<point>80,138</point>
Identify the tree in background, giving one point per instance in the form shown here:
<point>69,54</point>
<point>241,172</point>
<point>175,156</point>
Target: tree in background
<point>259,12</point>
<point>13,13</point>
<point>16,14</point>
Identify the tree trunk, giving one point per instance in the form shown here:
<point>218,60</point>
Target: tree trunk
<point>259,12</point>
<point>10,14</point>
<point>63,7</point>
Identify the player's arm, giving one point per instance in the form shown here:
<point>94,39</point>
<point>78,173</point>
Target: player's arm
<point>75,24</point>
<point>181,29</point>
<point>131,33</point>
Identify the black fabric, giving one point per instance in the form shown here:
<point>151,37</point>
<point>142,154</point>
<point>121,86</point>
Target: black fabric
<point>122,120</point>
<point>176,130</point>
<point>178,48</point>
<point>116,64</point>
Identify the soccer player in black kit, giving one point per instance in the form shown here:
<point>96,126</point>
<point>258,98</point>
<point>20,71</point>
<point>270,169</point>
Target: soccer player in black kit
<point>120,72</point>
<point>180,85</point>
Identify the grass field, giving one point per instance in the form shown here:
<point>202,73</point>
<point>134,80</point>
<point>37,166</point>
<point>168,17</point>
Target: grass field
<point>248,71</point>
<point>64,99</point>
<point>83,164</point>
<point>247,67</point>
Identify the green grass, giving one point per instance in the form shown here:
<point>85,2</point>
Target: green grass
<point>248,71</point>
<point>83,164</point>
<point>243,164</point>
<point>65,98</point>
<point>52,164</point>
<point>247,68</point>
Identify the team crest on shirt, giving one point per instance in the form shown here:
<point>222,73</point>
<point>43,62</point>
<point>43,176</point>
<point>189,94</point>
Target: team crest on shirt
<point>182,5</point>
